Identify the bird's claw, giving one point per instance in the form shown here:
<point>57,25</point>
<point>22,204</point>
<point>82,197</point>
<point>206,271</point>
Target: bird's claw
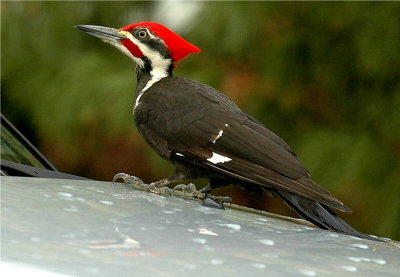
<point>157,188</point>
<point>189,189</point>
<point>220,199</point>
<point>128,179</point>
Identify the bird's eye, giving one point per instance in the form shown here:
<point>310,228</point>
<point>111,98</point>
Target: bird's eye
<point>142,34</point>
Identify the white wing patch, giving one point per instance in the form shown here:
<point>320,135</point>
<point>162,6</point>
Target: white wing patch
<point>217,158</point>
<point>218,136</point>
<point>179,154</point>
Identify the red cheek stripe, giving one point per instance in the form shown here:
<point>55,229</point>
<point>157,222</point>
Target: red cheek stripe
<point>135,51</point>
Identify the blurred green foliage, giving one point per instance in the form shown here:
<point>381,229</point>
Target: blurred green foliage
<point>324,76</point>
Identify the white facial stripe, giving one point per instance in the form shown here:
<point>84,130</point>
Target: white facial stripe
<point>217,158</point>
<point>160,65</point>
<point>150,34</point>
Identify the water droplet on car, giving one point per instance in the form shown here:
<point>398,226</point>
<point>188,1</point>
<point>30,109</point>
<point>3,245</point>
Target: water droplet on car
<point>308,272</point>
<point>267,241</point>
<point>108,203</point>
<point>200,240</point>
<point>65,194</point>
<point>359,245</point>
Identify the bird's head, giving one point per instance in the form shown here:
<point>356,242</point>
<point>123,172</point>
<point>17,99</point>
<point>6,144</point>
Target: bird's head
<point>151,45</point>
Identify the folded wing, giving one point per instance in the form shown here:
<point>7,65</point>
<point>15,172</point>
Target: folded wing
<point>239,147</point>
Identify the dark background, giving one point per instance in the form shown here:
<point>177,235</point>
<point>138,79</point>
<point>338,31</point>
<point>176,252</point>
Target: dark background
<point>323,76</point>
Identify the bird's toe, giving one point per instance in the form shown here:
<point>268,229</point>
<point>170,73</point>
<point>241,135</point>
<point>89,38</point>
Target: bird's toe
<point>127,179</point>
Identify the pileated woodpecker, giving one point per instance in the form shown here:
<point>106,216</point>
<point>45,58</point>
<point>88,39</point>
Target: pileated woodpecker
<point>205,135</point>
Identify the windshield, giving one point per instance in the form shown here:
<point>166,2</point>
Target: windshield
<point>14,151</point>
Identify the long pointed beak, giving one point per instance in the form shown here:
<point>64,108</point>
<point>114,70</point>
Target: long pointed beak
<point>105,33</point>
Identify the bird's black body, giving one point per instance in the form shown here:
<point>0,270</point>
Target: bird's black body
<point>205,135</point>
<point>181,118</point>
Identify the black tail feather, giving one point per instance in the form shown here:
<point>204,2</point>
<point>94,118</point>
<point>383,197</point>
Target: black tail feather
<point>320,215</point>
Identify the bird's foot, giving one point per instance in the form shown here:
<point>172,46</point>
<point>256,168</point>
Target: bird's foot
<point>128,179</point>
<point>155,187</point>
<point>220,199</point>
<point>191,191</point>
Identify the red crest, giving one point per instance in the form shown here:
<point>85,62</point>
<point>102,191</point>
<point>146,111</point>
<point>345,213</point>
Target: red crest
<point>177,46</point>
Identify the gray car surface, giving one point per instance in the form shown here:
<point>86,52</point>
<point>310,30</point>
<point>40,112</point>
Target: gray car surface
<point>92,228</point>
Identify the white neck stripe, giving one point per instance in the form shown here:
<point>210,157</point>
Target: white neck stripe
<point>159,64</point>
<point>151,82</point>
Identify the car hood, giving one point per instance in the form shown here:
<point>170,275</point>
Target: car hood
<point>87,228</point>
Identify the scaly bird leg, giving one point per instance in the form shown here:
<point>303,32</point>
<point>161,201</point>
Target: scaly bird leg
<point>191,191</point>
<point>159,187</point>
